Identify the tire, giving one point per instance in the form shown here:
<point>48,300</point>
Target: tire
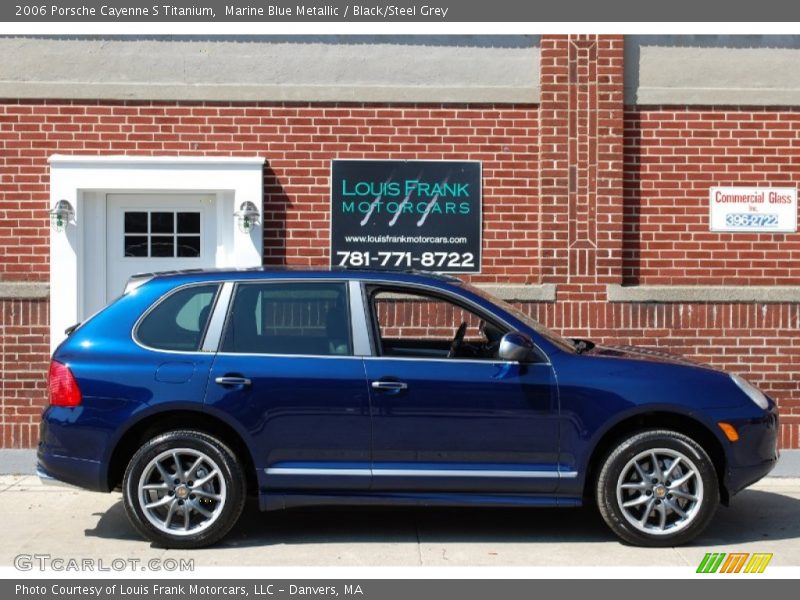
<point>191,509</point>
<point>679,499</point>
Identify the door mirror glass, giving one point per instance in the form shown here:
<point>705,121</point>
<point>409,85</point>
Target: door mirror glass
<point>517,347</point>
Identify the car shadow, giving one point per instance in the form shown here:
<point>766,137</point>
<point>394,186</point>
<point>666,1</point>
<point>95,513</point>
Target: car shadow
<point>754,516</point>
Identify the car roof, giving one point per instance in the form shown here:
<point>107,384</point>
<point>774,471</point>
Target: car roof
<point>217,274</point>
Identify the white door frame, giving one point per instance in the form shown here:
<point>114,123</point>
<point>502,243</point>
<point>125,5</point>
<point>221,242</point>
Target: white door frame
<point>85,180</point>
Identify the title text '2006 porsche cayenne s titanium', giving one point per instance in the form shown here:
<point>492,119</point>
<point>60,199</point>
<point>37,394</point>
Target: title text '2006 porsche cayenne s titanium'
<point>319,387</point>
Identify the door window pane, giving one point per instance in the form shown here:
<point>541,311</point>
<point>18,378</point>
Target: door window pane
<point>135,245</point>
<point>179,321</point>
<point>157,234</point>
<point>161,245</point>
<point>162,222</point>
<point>189,245</point>
<point>135,222</point>
<point>289,318</point>
<point>188,222</point>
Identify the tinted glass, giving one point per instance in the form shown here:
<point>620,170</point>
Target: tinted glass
<point>178,321</point>
<point>289,318</point>
<point>420,326</point>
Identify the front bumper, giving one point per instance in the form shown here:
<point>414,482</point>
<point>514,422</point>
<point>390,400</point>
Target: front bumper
<point>756,453</point>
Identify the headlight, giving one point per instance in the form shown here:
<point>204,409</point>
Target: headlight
<point>752,391</point>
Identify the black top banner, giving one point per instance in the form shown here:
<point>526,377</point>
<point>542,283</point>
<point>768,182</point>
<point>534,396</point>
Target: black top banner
<point>398,11</point>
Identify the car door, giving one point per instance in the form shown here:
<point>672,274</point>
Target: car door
<point>464,423</point>
<point>287,372</point>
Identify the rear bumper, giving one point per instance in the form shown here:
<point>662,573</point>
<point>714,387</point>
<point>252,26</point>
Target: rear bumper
<point>48,479</point>
<point>68,445</point>
<point>74,472</point>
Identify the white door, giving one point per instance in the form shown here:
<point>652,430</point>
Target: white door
<point>157,232</point>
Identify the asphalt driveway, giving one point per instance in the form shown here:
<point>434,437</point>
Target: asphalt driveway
<point>68,523</point>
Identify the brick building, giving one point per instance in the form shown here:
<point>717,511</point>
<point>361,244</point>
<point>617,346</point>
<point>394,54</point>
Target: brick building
<point>597,157</point>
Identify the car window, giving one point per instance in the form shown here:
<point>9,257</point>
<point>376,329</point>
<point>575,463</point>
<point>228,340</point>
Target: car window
<point>289,318</point>
<point>179,320</point>
<point>550,336</point>
<point>409,324</point>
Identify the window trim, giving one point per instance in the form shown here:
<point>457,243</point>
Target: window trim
<point>231,302</point>
<point>216,322</point>
<point>163,298</point>
<point>374,287</point>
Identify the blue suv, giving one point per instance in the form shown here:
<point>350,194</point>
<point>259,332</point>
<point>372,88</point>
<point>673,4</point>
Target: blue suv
<point>194,389</point>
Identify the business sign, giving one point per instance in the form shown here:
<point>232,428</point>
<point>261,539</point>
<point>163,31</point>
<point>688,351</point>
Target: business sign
<point>761,209</point>
<point>401,215</point>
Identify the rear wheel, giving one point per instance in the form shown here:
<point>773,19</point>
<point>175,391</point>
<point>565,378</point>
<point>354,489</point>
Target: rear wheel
<point>184,489</point>
<point>657,488</point>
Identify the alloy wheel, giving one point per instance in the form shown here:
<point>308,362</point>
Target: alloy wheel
<point>660,491</point>
<point>182,491</point>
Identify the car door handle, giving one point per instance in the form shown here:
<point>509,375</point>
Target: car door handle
<point>228,380</point>
<point>392,386</point>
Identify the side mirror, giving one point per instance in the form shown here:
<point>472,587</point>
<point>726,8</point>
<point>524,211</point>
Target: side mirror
<point>516,347</point>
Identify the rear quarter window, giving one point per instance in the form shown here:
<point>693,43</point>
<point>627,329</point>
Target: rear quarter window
<point>178,321</point>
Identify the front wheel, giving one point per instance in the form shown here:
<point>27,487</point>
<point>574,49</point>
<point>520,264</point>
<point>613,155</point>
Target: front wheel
<point>657,488</point>
<point>184,489</point>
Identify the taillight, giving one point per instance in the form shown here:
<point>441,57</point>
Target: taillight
<point>62,387</point>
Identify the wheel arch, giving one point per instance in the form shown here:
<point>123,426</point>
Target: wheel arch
<point>657,419</point>
<point>178,418</point>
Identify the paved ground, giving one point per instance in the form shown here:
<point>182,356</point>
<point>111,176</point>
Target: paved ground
<point>68,523</point>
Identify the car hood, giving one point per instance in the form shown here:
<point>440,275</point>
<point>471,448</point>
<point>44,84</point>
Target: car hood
<point>647,354</point>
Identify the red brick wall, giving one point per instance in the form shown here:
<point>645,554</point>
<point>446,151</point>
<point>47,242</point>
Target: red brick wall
<point>303,140</point>
<point>298,142</point>
<point>623,193</point>
<point>672,156</point>
<point>580,144</point>
<point>24,350</point>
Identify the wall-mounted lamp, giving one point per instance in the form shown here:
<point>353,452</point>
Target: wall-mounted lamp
<point>247,217</point>
<point>61,214</point>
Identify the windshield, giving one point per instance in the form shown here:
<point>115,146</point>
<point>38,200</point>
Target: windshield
<point>552,337</point>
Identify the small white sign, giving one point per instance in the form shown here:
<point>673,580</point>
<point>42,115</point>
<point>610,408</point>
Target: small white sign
<point>762,209</point>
